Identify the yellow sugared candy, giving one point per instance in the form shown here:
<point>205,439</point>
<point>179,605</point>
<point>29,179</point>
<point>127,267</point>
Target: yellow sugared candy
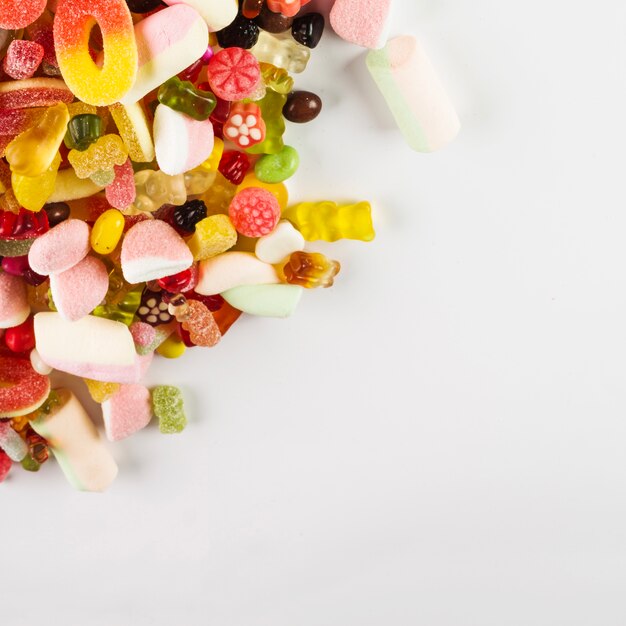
<point>100,391</point>
<point>172,348</point>
<point>278,190</point>
<point>32,192</point>
<point>214,235</point>
<point>32,152</point>
<point>329,221</point>
<point>108,151</point>
<point>134,130</point>
<point>107,231</point>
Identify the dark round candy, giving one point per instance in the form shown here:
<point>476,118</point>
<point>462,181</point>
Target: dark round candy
<point>189,214</point>
<point>144,6</point>
<point>57,212</point>
<point>273,22</point>
<point>308,29</point>
<point>302,106</point>
<point>242,33</point>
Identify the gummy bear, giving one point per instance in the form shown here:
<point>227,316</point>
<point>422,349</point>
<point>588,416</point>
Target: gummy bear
<point>102,155</point>
<point>167,403</point>
<point>182,96</point>
<point>154,189</point>
<point>272,111</point>
<point>281,50</point>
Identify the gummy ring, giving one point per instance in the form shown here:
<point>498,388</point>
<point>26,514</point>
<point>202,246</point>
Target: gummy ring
<point>14,15</point>
<point>73,22</point>
<point>22,389</point>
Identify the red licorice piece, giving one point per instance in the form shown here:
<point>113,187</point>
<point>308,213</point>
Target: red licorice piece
<point>20,338</point>
<point>234,166</point>
<point>23,225</point>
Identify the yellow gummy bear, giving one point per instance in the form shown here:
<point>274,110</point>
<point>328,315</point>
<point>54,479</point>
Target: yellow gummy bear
<point>213,235</point>
<point>32,152</point>
<point>101,391</point>
<point>330,221</point>
<point>108,151</point>
<point>32,192</point>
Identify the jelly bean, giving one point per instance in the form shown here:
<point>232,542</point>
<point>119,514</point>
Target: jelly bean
<point>107,231</point>
<point>233,73</point>
<point>282,51</point>
<point>213,235</point>
<point>254,212</point>
<point>302,107</point>
<point>182,96</point>
<point>94,84</point>
<point>84,130</point>
<point>167,404</point>
<point>242,33</point>
<point>57,212</point>
<point>245,126</point>
<point>276,168</point>
<point>32,152</point>
<point>329,221</point>
<point>310,269</point>
<point>308,29</point>
<point>172,348</point>
<point>286,7</point>
<point>273,22</point>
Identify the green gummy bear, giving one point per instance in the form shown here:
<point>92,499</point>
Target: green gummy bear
<point>183,97</point>
<point>167,404</point>
<point>272,111</point>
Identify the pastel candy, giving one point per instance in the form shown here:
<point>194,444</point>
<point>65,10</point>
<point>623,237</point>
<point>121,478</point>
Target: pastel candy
<point>167,43</point>
<point>76,445</point>
<point>127,411</point>
<point>78,291</point>
<point>216,13</point>
<point>14,307</point>
<point>264,300</point>
<point>91,347</point>
<point>280,243</point>
<point>362,22</point>
<point>414,94</point>
<point>152,249</point>
<point>12,444</point>
<point>60,248</point>
<point>232,269</point>
<point>181,143</point>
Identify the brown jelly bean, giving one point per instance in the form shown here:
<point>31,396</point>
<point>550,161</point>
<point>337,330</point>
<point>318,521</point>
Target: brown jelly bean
<point>302,106</point>
<point>273,22</point>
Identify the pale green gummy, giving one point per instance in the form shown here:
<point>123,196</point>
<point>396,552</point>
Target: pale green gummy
<point>379,65</point>
<point>264,300</point>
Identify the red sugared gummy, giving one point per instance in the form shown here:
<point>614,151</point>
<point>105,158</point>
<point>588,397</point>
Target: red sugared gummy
<point>22,58</point>
<point>233,73</point>
<point>254,212</point>
<point>16,14</point>
<point>20,338</point>
<point>122,191</point>
<point>5,465</point>
<point>234,166</point>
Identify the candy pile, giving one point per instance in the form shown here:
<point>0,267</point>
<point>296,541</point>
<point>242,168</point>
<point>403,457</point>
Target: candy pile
<point>143,206</point>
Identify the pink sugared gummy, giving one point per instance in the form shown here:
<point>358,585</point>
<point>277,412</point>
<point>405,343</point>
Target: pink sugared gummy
<point>60,248</point>
<point>22,58</point>
<point>79,290</point>
<point>233,73</point>
<point>143,334</point>
<point>126,412</point>
<point>122,191</point>
<point>362,22</point>
<point>15,14</point>
<point>254,212</point>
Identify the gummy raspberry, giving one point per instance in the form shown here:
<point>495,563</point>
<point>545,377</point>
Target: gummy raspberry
<point>254,212</point>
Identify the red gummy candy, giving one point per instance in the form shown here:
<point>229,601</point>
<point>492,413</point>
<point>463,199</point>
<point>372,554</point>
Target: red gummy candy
<point>254,212</point>
<point>5,465</point>
<point>234,166</point>
<point>233,73</point>
<point>20,338</point>
<point>122,191</point>
<point>15,15</point>
<point>23,58</point>
<point>23,225</point>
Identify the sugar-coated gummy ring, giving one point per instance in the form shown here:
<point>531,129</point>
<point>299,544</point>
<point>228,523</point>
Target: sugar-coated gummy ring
<point>73,23</point>
<point>26,389</point>
<point>19,14</point>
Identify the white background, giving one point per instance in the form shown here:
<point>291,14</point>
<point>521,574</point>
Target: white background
<point>440,439</point>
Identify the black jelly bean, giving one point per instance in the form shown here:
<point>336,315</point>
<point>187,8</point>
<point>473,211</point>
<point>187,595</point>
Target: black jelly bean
<point>57,212</point>
<point>308,29</point>
<point>302,106</point>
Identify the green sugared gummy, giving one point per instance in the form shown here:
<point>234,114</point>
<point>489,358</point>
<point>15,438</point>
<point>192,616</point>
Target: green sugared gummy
<point>183,97</point>
<point>82,131</point>
<point>167,404</point>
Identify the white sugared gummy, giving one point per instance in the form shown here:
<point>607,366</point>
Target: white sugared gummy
<point>280,243</point>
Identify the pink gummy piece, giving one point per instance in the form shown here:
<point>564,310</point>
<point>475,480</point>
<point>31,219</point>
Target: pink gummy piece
<point>233,73</point>
<point>121,192</point>
<point>60,248</point>
<point>5,465</point>
<point>128,411</point>
<point>22,58</point>
<point>143,334</point>
<point>254,212</point>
